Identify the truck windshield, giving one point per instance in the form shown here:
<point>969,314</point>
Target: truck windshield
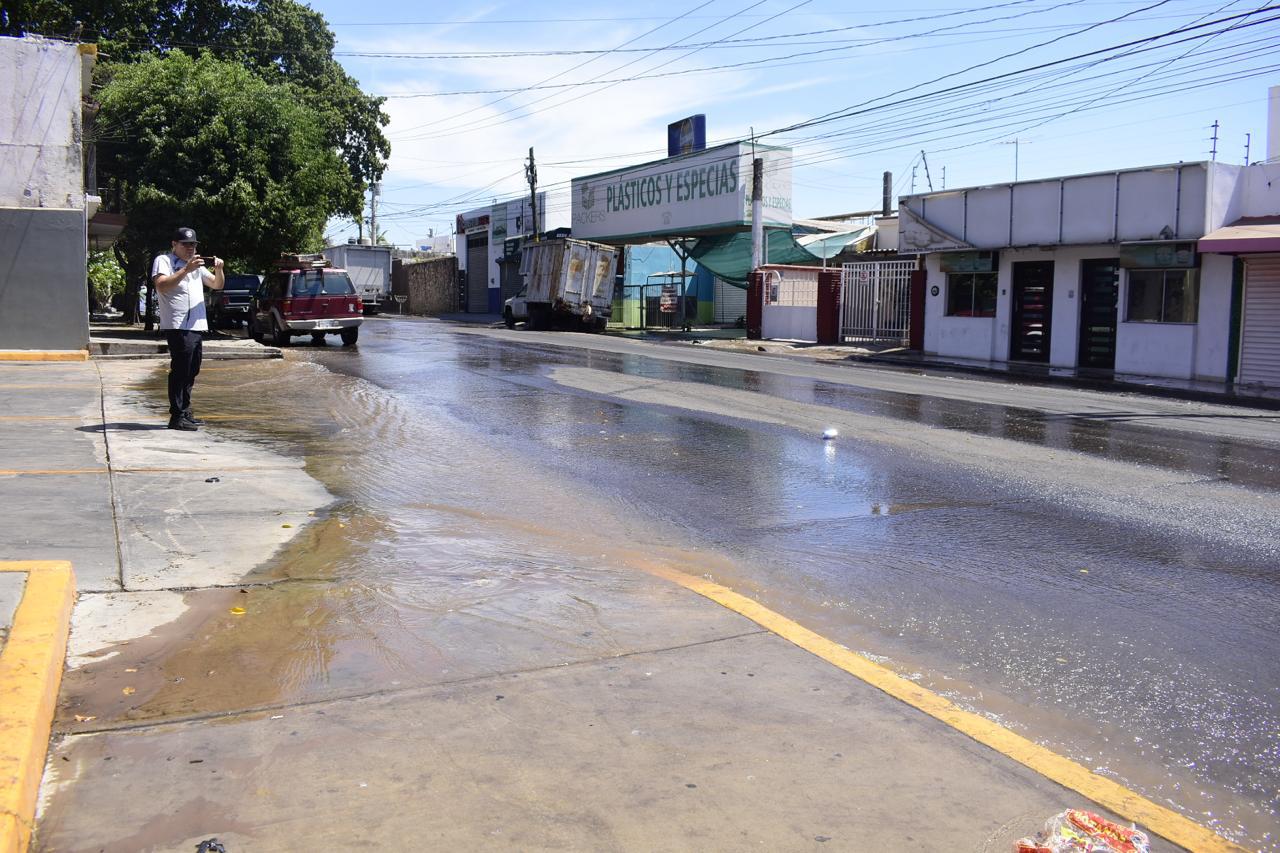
<point>322,283</point>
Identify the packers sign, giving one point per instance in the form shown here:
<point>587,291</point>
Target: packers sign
<point>705,192</point>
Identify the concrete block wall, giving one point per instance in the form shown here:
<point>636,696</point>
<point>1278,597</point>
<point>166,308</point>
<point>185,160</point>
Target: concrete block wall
<point>431,285</point>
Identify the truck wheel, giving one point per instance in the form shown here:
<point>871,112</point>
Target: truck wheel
<point>349,336</point>
<point>508,319</point>
<point>317,338</point>
<point>254,333</point>
<point>279,335</point>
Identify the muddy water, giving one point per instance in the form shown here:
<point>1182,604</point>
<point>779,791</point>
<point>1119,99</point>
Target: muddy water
<point>471,485</point>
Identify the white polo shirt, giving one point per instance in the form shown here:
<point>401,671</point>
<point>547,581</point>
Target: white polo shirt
<point>183,306</point>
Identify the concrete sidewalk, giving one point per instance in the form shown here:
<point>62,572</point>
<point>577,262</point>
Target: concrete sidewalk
<point>668,722</point>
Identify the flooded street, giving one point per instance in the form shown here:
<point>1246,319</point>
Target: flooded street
<point>1105,582</point>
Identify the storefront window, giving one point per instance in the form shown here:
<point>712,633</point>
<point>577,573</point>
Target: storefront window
<point>1163,296</point>
<point>971,294</point>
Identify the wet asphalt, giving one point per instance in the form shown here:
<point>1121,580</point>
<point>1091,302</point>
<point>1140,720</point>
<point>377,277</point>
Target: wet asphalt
<point>1095,571</point>
<point>1122,610</point>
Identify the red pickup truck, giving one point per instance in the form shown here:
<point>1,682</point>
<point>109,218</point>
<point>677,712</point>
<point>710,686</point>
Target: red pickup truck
<point>304,295</point>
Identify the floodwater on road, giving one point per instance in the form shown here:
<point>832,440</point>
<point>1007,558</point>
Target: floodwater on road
<point>1042,571</point>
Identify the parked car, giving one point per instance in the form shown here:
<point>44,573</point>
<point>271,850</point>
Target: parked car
<point>305,295</point>
<point>516,309</point>
<point>229,307</point>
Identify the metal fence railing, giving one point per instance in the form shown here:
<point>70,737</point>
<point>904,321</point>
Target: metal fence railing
<point>876,302</point>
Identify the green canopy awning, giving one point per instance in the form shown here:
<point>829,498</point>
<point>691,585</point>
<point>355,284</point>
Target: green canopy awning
<point>728,256</point>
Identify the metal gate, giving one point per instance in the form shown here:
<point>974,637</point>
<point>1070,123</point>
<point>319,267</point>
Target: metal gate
<point>1260,326</point>
<point>876,302</point>
<point>477,273</point>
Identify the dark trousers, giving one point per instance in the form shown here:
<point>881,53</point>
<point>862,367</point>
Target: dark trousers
<point>185,353</point>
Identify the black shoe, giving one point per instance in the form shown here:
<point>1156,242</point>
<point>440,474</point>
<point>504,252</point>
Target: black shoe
<point>182,424</point>
<point>192,419</point>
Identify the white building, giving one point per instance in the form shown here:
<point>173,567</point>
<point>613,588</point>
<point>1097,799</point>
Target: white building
<point>44,211</point>
<point>487,236</point>
<point>1105,271</point>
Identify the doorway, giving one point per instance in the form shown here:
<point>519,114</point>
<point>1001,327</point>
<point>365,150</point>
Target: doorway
<point>1032,311</point>
<point>478,273</point>
<point>1099,299</point>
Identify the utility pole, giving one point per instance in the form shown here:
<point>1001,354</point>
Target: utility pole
<point>928,178</point>
<point>375,191</point>
<point>1015,142</point>
<point>757,213</point>
<point>1213,152</point>
<point>886,194</point>
<point>531,174</point>
<point>1248,137</point>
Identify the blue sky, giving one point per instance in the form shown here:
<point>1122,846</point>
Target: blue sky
<point>592,87</point>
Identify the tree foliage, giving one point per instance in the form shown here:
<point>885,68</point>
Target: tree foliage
<point>207,143</point>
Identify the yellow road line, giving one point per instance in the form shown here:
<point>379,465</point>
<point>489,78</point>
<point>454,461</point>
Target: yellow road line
<point>44,355</point>
<point>1105,792</point>
<point>30,673</point>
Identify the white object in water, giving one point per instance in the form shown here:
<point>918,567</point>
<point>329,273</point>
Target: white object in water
<point>829,433</point>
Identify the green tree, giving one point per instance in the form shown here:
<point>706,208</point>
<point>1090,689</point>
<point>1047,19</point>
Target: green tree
<point>207,143</point>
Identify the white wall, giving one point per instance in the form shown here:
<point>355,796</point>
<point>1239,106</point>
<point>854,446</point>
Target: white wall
<point>1213,331</point>
<point>1076,210</point>
<point>41,163</point>
<point>1259,193</point>
<point>1155,349</point>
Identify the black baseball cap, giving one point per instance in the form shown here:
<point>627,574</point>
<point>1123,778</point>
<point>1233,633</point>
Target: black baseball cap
<point>184,235</point>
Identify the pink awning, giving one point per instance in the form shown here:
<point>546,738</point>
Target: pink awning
<point>1244,236</point>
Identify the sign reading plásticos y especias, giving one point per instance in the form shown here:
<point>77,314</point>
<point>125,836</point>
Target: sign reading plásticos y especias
<point>701,193</point>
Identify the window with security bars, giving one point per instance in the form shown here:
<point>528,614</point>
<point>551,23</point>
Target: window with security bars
<point>971,294</point>
<point>1163,296</point>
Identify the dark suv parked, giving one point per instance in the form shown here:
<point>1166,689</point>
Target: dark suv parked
<point>229,307</point>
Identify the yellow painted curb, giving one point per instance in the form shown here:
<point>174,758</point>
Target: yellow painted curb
<point>30,673</point>
<point>44,355</point>
<point>1105,792</point>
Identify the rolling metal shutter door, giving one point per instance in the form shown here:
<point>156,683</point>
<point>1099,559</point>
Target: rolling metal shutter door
<point>731,302</point>
<point>1260,334</point>
<point>478,274</point>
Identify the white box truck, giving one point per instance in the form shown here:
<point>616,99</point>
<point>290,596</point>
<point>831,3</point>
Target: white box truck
<point>370,271</point>
<point>568,283</point>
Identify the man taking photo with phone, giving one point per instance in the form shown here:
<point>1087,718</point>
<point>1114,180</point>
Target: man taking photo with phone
<point>179,277</point>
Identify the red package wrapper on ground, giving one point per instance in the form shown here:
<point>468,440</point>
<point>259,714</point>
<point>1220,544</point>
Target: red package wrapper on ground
<point>1079,831</point>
